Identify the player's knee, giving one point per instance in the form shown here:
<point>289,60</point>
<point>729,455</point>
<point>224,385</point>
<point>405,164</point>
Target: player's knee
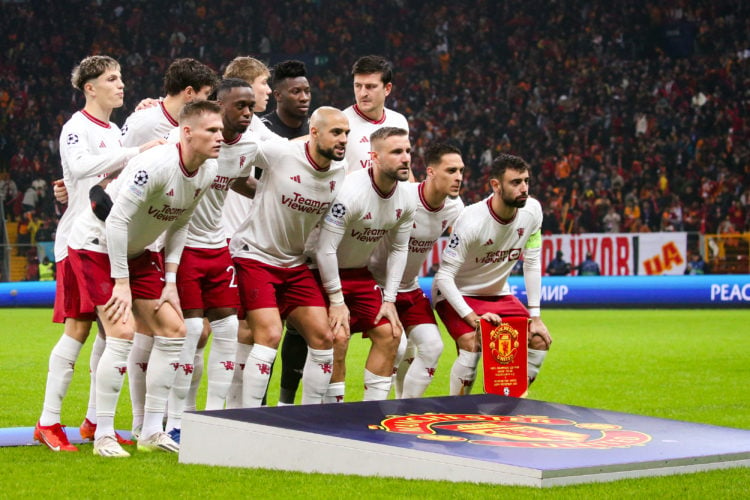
<point>537,342</point>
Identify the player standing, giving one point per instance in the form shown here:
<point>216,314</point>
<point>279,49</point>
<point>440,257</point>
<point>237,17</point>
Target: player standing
<point>90,149</point>
<point>437,209</point>
<point>487,240</point>
<point>373,204</point>
<point>299,182</point>
<point>120,278</point>
<point>206,280</point>
<point>291,90</point>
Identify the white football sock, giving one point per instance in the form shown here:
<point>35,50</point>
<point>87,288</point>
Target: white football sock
<point>191,401</point>
<point>96,354</point>
<point>137,366</point>
<point>463,373</point>
<point>234,395</point>
<point>162,367</point>
<point>316,375</point>
<point>62,362</point>
<point>377,387</point>
<point>403,368</point>
<point>110,374</point>
<point>335,392</point>
<point>221,361</point>
<point>257,374</point>
<point>184,373</point>
<point>429,346</point>
<point>534,363</point>
<point>400,354</point>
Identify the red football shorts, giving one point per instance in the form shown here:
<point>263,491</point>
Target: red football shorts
<point>363,298</point>
<point>503,305</point>
<point>67,295</point>
<point>263,286</point>
<point>206,279</point>
<point>414,309</point>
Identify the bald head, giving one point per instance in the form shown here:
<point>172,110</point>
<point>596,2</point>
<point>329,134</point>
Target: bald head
<point>329,128</point>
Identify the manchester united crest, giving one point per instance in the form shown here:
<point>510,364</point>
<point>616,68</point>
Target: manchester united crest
<point>504,343</point>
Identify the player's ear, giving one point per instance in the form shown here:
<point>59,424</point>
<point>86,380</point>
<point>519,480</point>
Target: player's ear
<point>388,88</point>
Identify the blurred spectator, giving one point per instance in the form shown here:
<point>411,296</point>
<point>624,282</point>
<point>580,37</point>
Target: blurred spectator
<point>696,264</point>
<point>32,265</point>
<point>558,266</point>
<point>588,267</point>
<point>611,220</point>
<point>47,270</point>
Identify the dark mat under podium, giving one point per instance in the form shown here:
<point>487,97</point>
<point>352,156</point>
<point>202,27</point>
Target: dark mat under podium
<point>481,438</point>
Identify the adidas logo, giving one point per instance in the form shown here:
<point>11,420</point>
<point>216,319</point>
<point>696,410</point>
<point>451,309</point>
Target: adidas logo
<point>296,178</point>
<point>102,145</point>
<point>364,140</point>
<point>488,242</point>
<point>171,192</point>
<point>368,216</point>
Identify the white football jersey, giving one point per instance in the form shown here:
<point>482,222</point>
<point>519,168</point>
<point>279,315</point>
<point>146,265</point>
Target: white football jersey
<point>358,145</point>
<point>429,224</point>
<point>293,195</point>
<point>147,125</point>
<point>90,149</point>
<point>482,251</point>
<point>236,206</point>
<point>152,195</point>
<point>235,160</point>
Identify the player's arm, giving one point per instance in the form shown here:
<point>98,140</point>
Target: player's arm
<point>82,163</point>
<point>246,186</point>
<point>119,306</point>
<point>328,266</point>
<point>396,263</point>
<point>532,277</point>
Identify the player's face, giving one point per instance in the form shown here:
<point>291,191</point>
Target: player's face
<point>370,92</point>
<point>447,175</point>
<point>108,88</point>
<point>262,93</point>
<point>392,156</point>
<point>205,136</point>
<point>293,96</point>
<point>237,106</point>
<point>331,141</point>
<point>513,189</point>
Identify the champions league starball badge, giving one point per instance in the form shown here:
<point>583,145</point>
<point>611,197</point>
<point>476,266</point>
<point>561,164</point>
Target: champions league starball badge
<point>141,178</point>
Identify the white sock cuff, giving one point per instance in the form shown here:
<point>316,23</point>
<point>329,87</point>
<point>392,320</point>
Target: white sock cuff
<point>263,353</point>
<point>119,346</point>
<point>336,389</point>
<point>167,344</point>
<point>99,345</point>
<point>321,355</point>
<point>143,341</point>
<point>468,359</point>
<point>225,328</point>
<point>377,381</point>
<point>67,348</point>
<point>193,328</point>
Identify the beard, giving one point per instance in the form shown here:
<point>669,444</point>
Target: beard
<point>516,202</point>
<point>329,153</point>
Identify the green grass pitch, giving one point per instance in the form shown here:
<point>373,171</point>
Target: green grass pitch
<point>690,365</point>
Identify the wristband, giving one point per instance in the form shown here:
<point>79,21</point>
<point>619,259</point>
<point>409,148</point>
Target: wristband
<point>535,311</point>
<point>170,277</point>
<point>336,298</point>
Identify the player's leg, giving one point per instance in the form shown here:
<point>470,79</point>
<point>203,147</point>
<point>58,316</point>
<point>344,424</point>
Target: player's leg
<point>380,361</point>
<point>244,345</point>
<point>61,365</point>
<point>318,367</point>
<point>163,364</point>
<point>537,351</point>
<point>266,326</point>
<point>143,342</point>
<point>191,401</point>
<point>464,369</point>
<point>428,347</point>
<point>403,366</point>
<point>183,374</point>
<point>337,385</point>
<point>400,354</point>
<point>221,360</point>
<point>293,357</point>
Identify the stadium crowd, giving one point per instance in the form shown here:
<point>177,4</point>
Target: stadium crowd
<point>634,118</point>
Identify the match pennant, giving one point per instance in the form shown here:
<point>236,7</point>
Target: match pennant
<point>504,356</point>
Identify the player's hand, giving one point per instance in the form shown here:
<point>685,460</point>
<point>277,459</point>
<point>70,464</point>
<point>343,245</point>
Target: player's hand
<point>120,305</point>
<point>538,333</point>
<point>146,103</point>
<point>60,191</point>
<point>169,295</point>
<point>151,144</point>
<point>473,319</point>
<point>388,311</point>
<point>338,320</point>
